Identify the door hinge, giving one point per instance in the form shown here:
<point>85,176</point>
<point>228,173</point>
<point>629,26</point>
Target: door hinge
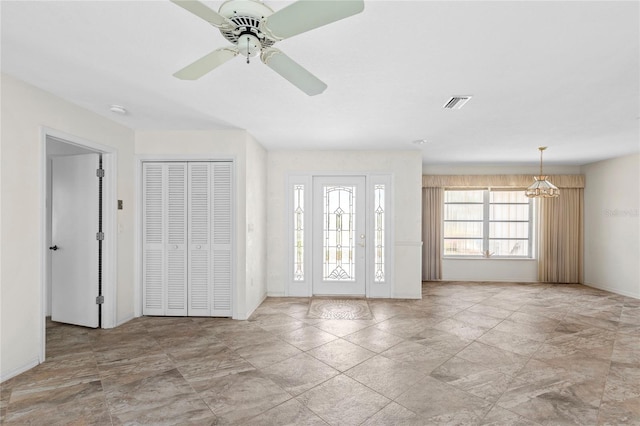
<point>100,172</point>
<point>100,236</point>
<point>99,300</point>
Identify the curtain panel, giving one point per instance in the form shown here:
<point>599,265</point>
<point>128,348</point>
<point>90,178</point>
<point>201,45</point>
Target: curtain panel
<point>561,222</point>
<point>560,237</point>
<point>432,208</point>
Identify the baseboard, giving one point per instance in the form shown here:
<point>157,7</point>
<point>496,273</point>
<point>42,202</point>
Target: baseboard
<point>407,296</point>
<point>613,290</point>
<point>250,310</point>
<point>28,366</point>
<point>127,319</point>
<point>276,294</point>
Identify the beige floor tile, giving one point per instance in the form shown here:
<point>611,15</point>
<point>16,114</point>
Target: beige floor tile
<point>236,398</point>
<point>374,339</point>
<point>466,353</point>
<point>407,326</point>
<point>308,337</point>
<point>492,357</point>
<point>394,414</point>
<point>300,373</point>
<point>477,379</point>
<point>166,397</point>
<point>340,354</point>
<point>388,377</point>
<point>290,413</point>
<point>439,402</point>
<point>341,328</point>
<point>441,340</point>
<point>419,357</point>
<point>500,417</point>
<point>517,343</point>
<point>343,401</point>
<point>267,353</point>
<point>461,329</point>
<point>477,319</point>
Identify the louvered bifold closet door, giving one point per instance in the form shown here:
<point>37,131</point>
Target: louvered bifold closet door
<point>176,237</point>
<point>222,202</point>
<point>164,209</point>
<point>153,200</point>
<point>200,273</point>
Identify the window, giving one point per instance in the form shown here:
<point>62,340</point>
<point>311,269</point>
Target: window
<point>298,232</point>
<point>488,223</point>
<point>379,228</point>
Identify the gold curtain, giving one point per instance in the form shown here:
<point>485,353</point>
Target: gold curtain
<point>432,206</point>
<point>560,239</point>
<point>497,181</point>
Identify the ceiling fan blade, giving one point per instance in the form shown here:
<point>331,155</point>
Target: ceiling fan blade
<point>292,71</point>
<point>206,13</point>
<point>305,15</point>
<point>207,63</point>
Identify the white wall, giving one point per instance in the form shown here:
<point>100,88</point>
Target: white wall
<point>514,270</point>
<point>232,144</point>
<point>612,225</point>
<point>406,168</point>
<point>256,233</point>
<point>25,109</point>
<point>511,270</point>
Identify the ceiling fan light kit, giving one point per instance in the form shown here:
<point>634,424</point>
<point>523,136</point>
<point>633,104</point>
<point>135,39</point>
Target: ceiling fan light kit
<point>253,28</point>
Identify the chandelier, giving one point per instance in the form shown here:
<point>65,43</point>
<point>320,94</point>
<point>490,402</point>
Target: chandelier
<point>542,188</point>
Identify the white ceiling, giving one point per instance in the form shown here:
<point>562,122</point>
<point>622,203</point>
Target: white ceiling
<point>562,74</point>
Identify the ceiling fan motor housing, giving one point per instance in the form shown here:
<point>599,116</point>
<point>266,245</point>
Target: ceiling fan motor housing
<point>246,14</point>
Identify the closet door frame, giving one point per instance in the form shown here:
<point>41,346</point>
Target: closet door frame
<point>138,196</point>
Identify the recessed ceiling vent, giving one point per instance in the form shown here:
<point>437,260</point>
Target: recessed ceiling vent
<point>456,102</point>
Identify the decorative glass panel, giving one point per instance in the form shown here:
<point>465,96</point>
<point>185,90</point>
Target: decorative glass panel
<point>298,232</point>
<point>378,191</point>
<point>339,233</point>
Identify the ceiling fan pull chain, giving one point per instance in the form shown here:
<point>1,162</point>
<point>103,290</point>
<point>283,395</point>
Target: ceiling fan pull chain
<point>247,49</point>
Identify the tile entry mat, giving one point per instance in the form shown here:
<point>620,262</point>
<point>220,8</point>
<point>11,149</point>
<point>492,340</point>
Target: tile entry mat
<point>344,309</point>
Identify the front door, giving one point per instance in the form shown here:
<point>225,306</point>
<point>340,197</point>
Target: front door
<point>339,240</point>
<point>74,260</point>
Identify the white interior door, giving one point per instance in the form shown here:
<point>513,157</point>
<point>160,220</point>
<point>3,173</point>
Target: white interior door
<point>339,240</point>
<point>74,260</point>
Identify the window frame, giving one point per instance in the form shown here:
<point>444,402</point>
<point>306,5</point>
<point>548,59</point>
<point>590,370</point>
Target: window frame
<point>486,225</point>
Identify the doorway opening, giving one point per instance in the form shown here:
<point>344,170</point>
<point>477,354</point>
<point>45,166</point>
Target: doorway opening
<point>78,232</point>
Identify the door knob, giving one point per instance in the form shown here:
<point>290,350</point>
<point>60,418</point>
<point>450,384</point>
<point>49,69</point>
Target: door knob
<point>54,248</point>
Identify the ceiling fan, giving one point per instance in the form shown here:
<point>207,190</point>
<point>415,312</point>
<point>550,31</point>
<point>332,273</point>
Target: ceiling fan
<point>253,28</point>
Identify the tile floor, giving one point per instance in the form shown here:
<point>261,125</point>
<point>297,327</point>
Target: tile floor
<point>467,353</point>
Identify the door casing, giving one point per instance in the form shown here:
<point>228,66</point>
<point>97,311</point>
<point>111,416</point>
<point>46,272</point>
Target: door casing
<point>109,265</point>
<point>140,159</point>
<point>296,287</point>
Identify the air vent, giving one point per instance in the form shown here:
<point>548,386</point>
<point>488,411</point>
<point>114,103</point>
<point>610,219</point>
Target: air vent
<point>456,102</point>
